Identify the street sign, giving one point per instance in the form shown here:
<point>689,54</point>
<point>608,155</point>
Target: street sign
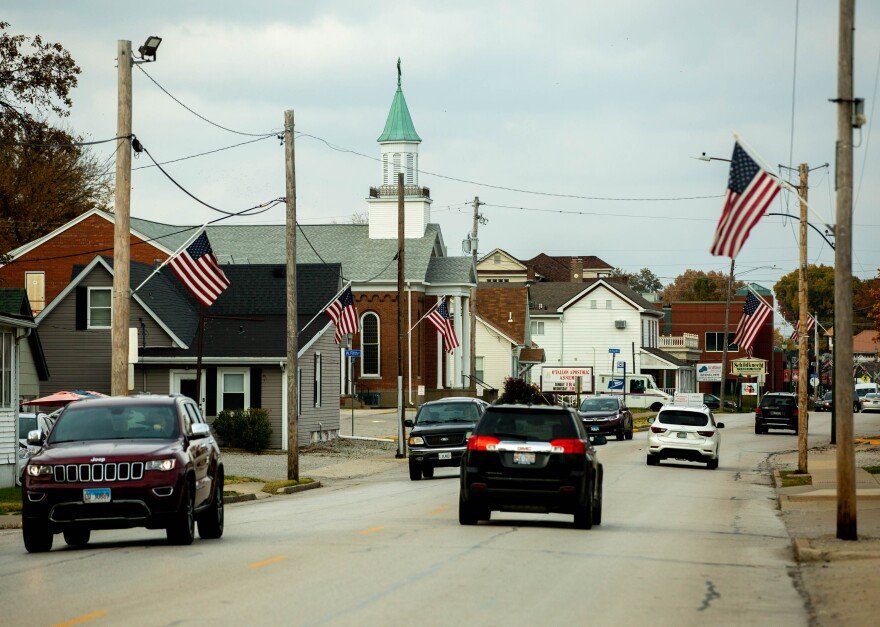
<point>865,379</point>
<point>613,351</point>
<point>621,365</point>
<point>352,352</point>
<point>814,381</point>
<point>564,380</point>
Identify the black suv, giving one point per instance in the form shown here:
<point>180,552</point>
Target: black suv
<point>120,462</point>
<point>777,410</point>
<point>531,459</point>
<point>440,432</point>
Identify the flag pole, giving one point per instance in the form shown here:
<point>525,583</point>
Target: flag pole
<point>177,252</point>
<point>428,313</point>
<point>788,186</point>
<point>324,308</point>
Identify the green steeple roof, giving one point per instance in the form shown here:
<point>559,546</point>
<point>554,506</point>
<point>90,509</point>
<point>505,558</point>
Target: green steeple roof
<point>399,125</point>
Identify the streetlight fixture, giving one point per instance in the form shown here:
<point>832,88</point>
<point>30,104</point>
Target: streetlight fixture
<point>149,49</point>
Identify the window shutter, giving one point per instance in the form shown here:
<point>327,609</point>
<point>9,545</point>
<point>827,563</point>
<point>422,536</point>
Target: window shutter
<point>256,387</point>
<point>82,307</point>
<point>210,375</point>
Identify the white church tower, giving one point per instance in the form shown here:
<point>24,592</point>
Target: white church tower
<point>399,148</point>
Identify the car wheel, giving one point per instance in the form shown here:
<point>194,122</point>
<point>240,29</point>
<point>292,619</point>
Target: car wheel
<point>415,470</point>
<point>211,521</point>
<point>467,514</point>
<point>77,536</point>
<point>856,408</point>
<point>182,530</point>
<point>653,460</point>
<point>629,433</point>
<point>712,464</point>
<point>597,506</point>
<point>621,434</point>
<point>37,537</point>
<point>656,406</point>
<point>583,515</point>
<point>427,471</point>
<point>759,429</point>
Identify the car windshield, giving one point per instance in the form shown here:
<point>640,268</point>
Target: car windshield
<point>872,395</point>
<point>777,401</point>
<point>599,404</point>
<point>828,396</point>
<point>88,423</point>
<point>527,424</point>
<point>25,425</point>
<point>683,418</point>
<point>709,397</point>
<point>442,413</point>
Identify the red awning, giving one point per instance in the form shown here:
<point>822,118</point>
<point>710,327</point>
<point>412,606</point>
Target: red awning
<point>63,398</point>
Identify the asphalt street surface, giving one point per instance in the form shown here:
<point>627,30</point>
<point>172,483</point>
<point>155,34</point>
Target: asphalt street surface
<point>679,544</point>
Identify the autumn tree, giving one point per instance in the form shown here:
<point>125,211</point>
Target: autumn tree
<point>46,179</point>
<point>642,281</point>
<point>698,285</point>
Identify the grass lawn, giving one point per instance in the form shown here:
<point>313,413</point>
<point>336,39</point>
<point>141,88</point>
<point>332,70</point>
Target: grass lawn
<point>874,470</point>
<point>273,486</point>
<point>236,479</point>
<point>10,500</point>
<point>791,478</point>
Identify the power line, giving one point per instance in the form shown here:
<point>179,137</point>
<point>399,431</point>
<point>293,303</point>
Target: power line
<point>339,274</point>
<point>64,144</point>
<point>870,125</point>
<point>199,115</point>
<point>208,152</point>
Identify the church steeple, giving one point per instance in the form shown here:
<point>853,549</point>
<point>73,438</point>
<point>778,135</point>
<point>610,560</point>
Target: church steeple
<point>399,125</point>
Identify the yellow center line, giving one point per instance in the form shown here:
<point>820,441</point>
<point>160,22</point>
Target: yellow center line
<point>82,619</point>
<point>267,562</point>
<point>438,510</point>
<point>371,530</point>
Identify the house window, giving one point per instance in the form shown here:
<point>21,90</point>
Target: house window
<point>478,368</point>
<point>35,284</point>
<point>233,389</point>
<point>100,308</point>
<point>715,342</point>
<point>607,304</point>
<point>370,345</point>
<point>592,304</point>
<point>496,258</point>
<point>7,347</point>
<point>317,382</point>
<point>537,328</point>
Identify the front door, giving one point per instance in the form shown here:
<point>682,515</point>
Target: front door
<point>184,382</point>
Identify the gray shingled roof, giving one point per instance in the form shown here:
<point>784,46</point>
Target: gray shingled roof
<point>553,295</point>
<point>362,259</point>
<point>664,355</point>
<point>450,270</point>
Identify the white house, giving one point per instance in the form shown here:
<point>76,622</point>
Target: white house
<point>12,332</point>
<point>576,323</point>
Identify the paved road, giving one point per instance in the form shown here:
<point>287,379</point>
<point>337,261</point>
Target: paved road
<point>678,545</point>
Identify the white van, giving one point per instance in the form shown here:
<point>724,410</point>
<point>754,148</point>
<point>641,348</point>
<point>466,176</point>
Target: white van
<point>863,388</point>
<point>641,390</point>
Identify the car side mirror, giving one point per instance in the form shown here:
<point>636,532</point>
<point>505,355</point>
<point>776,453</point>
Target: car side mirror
<point>651,420</point>
<point>408,422</point>
<point>199,430</point>
<point>35,437</point>
<point>720,425</point>
<point>598,440</point>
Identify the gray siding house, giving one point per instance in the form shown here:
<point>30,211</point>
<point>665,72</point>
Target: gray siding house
<point>244,346</point>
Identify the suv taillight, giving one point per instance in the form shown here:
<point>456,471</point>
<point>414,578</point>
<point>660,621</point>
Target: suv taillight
<point>658,430</point>
<point>757,411</point>
<point>568,446</point>
<point>706,434</point>
<point>483,443</point>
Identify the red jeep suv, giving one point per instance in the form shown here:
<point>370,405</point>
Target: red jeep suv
<point>121,462</point>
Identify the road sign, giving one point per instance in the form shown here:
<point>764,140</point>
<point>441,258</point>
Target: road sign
<point>613,351</point>
<point>865,379</point>
<point>814,381</point>
<point>352,352</point>
<point>621,365</point>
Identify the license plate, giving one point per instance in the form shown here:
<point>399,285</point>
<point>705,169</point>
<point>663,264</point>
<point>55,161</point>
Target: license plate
<point>444,455</point>
<point>775,413</point>
<point>682,434</point>
<point>594,428</point>
<point>523,458</point>
<point>96,495</point>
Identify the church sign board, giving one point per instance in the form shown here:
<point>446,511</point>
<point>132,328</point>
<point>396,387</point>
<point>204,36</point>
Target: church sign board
<point>564,380</point>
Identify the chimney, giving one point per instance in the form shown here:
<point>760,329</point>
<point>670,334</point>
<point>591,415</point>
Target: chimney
<point>577,269</point>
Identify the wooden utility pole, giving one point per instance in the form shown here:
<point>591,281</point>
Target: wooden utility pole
<point>121,225</point>
<point>473,298</point>
<point>726,334</point>
<point>843,384</point>
<point>292,329</point>
<point>803,334</point>
<point>401,324</point>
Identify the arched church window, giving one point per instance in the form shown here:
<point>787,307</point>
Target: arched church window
<point>370,344</point>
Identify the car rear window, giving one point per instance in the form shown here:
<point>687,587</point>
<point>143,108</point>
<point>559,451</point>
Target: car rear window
<point>447,412</point>
<point>87,423</point>
<point>683,418</point>
<point>777,401</point>
<point>599,404</point>
<point>26,424</point>
<point>527,424</point>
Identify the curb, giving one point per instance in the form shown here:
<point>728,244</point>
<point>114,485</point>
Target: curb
<point>365,439</point>
<point>776,478</point>
<point>804,553</point>
<point>239,498</point>
<point>293,489</point>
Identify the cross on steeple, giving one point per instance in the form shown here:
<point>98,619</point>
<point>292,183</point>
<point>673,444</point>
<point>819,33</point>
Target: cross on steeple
<point>398,72</point>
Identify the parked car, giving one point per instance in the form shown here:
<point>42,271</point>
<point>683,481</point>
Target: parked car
<point>825,403</point>
<point>871,402</point>
<point>121,462</point>
<point>606,415</point>
<point>777,410</point>
<point>531,459</point>
<point>713,402</point>
<point>439,434</point>
<point>685,433</point>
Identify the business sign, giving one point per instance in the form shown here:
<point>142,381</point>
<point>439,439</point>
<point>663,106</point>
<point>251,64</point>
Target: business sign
<point>709,372</point>
<point>749,389</point>
<point>748,367</point>
<point>564,380</point>
<point>688,398</point>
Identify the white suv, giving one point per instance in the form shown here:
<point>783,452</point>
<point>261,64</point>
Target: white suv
<point>684,432</point>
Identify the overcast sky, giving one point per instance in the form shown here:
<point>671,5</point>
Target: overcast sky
<point>598,99</point>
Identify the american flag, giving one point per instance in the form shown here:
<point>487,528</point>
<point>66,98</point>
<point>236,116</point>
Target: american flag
<point>811,322</point>
<point>197,266</point>
<point>344,314</point>
<point>750,190</point>
<point>440,318</point>
<point>755,313</point>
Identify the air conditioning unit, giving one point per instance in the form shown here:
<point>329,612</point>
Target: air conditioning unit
<point>620,324</point>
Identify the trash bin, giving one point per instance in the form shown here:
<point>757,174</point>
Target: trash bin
<point>370,398</point>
